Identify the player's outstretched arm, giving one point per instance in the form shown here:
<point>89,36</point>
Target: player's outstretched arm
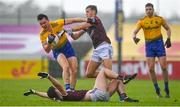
<point>74,20</point>
<point>81,27</point>
<point>89,22</point>
<point>57,85</point>
<point>53,81</point>
<point>34,92</point>
<point>42,94</point>
<point>77,35</point>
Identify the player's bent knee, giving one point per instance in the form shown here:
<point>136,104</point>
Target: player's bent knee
<point>89,74</point>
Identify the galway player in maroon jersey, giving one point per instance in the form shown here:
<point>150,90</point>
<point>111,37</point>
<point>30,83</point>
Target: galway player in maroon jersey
<point>101,91</point>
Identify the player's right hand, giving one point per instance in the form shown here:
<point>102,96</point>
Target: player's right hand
<point>69,31</point>
<point>136,40</point>
<point>51,38</point>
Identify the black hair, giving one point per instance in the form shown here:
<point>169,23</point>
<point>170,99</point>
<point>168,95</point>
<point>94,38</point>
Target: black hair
<point>41,16</point>
<point>149,5</point>
<point>92,7</point>
<point>51,93</point>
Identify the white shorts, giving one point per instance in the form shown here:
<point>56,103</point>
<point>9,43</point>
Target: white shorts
<point>104,51</point>
<point>99,95</point>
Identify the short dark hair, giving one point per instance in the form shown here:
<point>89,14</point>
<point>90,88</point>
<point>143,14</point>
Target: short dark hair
<point>51,93</point>
<point>149,5</point>
<point>41,16</point>
<point>92,7</point>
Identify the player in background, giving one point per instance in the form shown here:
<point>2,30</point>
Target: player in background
<point>151,25</point>
<point>102,52</point>
<point>101,91</point>
<point>54,38</point>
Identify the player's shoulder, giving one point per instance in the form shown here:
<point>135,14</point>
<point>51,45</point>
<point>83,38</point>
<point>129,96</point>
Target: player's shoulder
<point>142,18</point>
<point>157,16</point>
<point>57,22</point>
<point>42,32</point>
<point>54,23</point>
<point>97,18</point>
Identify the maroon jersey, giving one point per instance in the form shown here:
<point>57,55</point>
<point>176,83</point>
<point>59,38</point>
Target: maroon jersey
<point>76,95</point>
<point>97,33</point>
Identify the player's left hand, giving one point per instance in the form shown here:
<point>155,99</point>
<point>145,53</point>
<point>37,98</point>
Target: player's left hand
<point>92,20</point>
<point>168,43</point>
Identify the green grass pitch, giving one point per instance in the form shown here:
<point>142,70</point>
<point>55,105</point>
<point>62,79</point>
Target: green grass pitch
<point>11,94</point>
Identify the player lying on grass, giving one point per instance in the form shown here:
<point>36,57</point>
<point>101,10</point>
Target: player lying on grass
<point>102,90</point>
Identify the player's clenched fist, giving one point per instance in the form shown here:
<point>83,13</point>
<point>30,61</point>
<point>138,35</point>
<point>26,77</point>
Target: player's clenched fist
<point>136,40</point>
<point>51,38</point>
<point>92,20</point>
<point>168,43</point>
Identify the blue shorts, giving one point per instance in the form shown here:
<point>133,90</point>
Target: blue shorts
<point>155,48</point>
<point>67,50</point>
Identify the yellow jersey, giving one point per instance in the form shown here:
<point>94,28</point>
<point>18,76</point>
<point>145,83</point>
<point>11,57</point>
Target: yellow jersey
<point>151,27</point>
<point>57,27</point>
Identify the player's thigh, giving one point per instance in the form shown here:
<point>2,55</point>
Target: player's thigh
<point>150,49</point>
<point>151,62</point>
<point>163,62</point>
<point>107,63</point>
<point>106,55</point>
<point>63,62</point>
<point>92,66</point>
<point>101,82</point>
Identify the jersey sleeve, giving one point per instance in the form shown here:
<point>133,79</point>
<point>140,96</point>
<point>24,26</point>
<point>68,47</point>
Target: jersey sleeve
<point>61,22</point>
<point>43,37</point>
<point>139,25</point>
<point>163,21</point>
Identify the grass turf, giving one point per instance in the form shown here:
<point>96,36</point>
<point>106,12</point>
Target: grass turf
<point>11,94</point>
